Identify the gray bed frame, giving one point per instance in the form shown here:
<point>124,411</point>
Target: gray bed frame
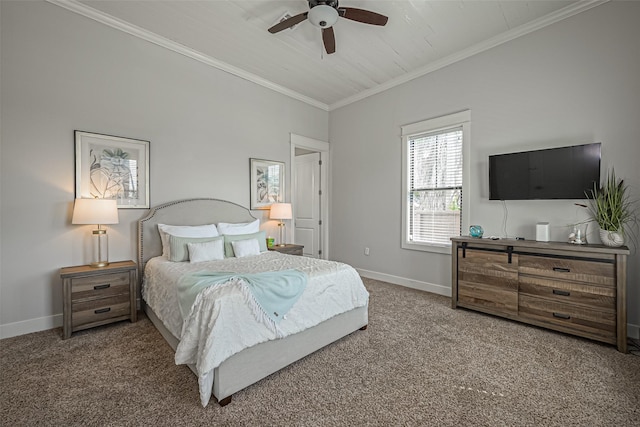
<point>252,364</point>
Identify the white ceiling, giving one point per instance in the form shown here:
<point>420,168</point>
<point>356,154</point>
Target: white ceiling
<point>421,36</point>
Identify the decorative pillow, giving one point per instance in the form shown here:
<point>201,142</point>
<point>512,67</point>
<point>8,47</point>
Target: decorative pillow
<point>242,248</point>
<point>260,236</point>
<point>178,251</point>
<point>208,230</point>
<point>207,251</point>
<point>239,228</point>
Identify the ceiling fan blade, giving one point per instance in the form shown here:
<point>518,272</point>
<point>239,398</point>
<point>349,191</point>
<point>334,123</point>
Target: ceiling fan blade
<point>364,16</point>
<point>329,40</point>
<point>288,23</point>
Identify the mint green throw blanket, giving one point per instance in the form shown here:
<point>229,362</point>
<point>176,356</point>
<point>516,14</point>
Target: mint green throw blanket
<point>270,294</point>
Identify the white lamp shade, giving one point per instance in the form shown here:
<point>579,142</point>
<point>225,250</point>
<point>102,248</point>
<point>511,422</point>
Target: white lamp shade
<point>95,211</point>
<point>323,16</point>
<point>280,211</point>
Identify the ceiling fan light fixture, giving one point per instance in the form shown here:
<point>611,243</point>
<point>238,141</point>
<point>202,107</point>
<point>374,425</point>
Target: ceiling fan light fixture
<point>323,16</point>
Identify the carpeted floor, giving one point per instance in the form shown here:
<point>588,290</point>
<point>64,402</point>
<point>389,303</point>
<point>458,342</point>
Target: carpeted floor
<point>418,363</point>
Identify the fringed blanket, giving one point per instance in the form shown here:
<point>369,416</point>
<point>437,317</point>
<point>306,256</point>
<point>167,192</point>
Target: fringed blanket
<point>270,295</point>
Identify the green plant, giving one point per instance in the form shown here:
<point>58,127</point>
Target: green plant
<point>611,206</point>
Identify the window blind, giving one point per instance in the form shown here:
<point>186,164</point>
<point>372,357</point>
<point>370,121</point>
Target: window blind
<point>435,186</point>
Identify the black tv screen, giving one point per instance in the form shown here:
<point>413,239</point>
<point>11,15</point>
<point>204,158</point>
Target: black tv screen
<point>554,173</point>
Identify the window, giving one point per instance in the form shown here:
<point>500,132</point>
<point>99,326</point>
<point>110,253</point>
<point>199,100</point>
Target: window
<point>433,172</point>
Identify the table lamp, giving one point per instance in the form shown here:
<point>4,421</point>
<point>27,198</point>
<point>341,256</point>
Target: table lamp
<point>97,211</point>
<point>281,211</point>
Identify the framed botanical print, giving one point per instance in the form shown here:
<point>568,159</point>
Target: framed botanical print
<point>267,183</point>
<point>112,167</point>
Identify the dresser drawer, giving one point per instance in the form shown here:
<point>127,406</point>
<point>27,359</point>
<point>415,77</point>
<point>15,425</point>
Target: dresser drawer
<point>487,280</point>
<point>587,271</point>
<point>101,286</point>
<point>490,297</point>
<point>598,297</point>
<point>494,264</point>
<point>92,311</point>
<point>569,317</point>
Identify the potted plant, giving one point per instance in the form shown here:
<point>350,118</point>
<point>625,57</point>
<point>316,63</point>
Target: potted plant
<point>613,210</point>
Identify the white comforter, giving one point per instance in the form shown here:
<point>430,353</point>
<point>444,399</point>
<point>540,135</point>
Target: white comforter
<point>222,324</point>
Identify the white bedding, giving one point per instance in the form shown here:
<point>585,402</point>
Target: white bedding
<point>222,324</point>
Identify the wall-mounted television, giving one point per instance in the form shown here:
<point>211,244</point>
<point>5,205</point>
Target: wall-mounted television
<point>554,173</point>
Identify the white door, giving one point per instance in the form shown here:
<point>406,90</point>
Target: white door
<point>307,203</point>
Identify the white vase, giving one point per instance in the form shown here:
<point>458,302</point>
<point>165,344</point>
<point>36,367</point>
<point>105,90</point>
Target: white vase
<point>611,238</point>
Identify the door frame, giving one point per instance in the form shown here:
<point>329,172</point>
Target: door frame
<point>322,147</point>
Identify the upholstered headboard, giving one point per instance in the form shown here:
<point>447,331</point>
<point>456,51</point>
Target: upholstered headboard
<point>183,212</point>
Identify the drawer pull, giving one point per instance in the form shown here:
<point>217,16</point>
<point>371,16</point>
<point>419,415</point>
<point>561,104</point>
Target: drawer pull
<point>108,309</point>
<point>563,293</point>
<point>562,269</point>
<point>562,316</point>
<point>98,287</point>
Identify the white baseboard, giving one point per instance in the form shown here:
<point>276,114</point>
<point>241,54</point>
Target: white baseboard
<point>633,331</point>
<point>409,283</point>
<point>28,326</point>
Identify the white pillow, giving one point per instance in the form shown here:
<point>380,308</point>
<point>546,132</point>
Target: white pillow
<point>239,228</point>
<point>248,247</point>
<point>208,230</point>
<point>208,251</point>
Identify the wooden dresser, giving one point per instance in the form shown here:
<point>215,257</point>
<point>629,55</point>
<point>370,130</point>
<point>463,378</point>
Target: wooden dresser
<point>576,289</point>
<point>97,296</point>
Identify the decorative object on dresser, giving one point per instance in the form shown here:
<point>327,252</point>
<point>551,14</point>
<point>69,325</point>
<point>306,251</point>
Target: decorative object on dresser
<point>288,249</point>
<point>476,231</point>
<point>96,211</point>
<point>281,211</point>
<point>98,296</point>
<point>579,290</point>
<point>542,232</point>
<point>613,210</point>
<point>112,167</point>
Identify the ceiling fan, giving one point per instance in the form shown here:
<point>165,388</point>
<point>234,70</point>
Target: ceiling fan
<point>324,13</point>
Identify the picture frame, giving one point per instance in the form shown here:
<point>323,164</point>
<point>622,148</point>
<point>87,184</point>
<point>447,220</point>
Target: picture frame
<point>112,167</point>
<point>267,180</point>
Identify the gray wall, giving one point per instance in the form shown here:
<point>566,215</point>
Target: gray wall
<point>61,72</point>
<point>575,82</point>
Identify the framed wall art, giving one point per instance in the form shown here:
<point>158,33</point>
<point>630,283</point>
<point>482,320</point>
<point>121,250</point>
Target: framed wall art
<point>112,167</point>
<point>267,183</point>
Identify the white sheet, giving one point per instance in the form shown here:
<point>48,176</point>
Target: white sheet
<point>222,324</point>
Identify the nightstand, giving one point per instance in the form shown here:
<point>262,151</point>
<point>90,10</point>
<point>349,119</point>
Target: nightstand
<point>97,296</point>
<point>288,249</point>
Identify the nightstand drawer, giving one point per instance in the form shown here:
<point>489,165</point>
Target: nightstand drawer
<point>102,286</point>
<point>100,309</point>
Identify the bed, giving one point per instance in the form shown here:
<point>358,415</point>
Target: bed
<point>292,341</point>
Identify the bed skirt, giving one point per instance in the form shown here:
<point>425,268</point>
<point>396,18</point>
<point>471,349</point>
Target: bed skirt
<point>254,363</point>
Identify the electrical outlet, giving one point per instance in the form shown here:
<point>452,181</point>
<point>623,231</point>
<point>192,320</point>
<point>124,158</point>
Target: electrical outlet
<point>366,251</point>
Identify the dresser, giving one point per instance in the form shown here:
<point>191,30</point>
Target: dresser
<point>575,289</point>
<point>98,296</point>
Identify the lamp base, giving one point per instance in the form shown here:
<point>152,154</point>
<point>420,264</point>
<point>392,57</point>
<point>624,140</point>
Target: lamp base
<point>281,225</point>
<point>99,264</point>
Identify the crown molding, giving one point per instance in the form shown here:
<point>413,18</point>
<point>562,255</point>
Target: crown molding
<point>552,18</point>
<point>514,33</point>
<point>96,15</point>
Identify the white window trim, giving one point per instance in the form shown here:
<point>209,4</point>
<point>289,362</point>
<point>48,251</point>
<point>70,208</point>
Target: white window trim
<point>462,118</point>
